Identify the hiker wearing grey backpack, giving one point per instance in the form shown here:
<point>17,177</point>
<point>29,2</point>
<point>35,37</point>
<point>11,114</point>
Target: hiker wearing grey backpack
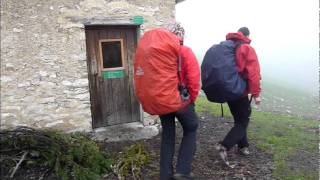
<point>230,72</point>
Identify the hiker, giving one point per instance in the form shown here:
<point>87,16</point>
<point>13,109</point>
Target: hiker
<point>249,69</point>
<point>187,117</point>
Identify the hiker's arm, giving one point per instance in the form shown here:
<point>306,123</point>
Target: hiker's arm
<point>253,71</point>
<point>192,74</point>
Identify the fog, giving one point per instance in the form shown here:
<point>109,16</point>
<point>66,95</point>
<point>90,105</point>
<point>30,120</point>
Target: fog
<point>285,34</point>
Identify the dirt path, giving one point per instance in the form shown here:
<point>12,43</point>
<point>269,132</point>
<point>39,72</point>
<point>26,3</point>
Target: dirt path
<point>207,164</point>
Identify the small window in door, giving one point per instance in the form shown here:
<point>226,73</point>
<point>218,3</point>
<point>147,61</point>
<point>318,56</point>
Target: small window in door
<point>111,51</point>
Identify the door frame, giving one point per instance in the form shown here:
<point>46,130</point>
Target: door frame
<point>100,69</point>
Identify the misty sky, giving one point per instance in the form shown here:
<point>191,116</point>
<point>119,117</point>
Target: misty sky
<point>284,33</point>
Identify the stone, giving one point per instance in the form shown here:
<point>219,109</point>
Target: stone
<point>42,120</point>
<point>9,67</point>
<point>43,73</point>
<point>54,123</point>
<point>16,30</point>
<point>81,83</point>
<point>119,11</point>
<point>125,132</point>
<point>66,83</point>
<point>73,25</point>
<point>141,9</point>
<point>25,84</point>
<point>8,115</point>
<point>5,79</point>
<point>79,57</point>
<point>82,96</point>
<point>11,108</point>
<point>80,91</point>
<point>47,100</point>
<point>47,85</point>
<point>150,119</point>
<point>53,75</point>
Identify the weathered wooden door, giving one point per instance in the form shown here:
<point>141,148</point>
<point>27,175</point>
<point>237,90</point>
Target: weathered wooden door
<point>110,54</point>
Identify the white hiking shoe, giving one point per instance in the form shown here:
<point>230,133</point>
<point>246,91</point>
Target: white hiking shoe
<point>244,151</point>
<point>223,153</point>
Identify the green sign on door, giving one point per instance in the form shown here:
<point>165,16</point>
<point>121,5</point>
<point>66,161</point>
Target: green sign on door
<point>138,20</point>
<point>113,74</point>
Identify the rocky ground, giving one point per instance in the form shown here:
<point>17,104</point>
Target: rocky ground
<point>207,164</point>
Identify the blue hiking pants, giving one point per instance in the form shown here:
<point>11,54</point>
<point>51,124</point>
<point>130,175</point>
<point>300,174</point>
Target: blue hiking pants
<point>189,122</point>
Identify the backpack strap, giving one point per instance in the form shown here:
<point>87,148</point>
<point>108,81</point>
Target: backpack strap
<point>238,44</point>
<point>184,92</point>
<point>180,69</point>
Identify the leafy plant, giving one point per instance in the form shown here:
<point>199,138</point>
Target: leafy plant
<point>68,156</point>
<point>131,161</point>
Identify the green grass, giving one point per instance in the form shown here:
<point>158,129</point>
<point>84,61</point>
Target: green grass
<point>282,136</point>
<point>203,106</point>
<point>282,97</point>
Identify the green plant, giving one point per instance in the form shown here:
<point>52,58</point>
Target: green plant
<point>68,156</point>
<point>131,161</point>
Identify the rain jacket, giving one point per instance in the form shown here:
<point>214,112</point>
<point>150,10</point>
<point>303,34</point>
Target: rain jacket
<point>247,63</point>
<point>190,72</point>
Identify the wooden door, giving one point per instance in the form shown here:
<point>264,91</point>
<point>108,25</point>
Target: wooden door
<point>110,55</point>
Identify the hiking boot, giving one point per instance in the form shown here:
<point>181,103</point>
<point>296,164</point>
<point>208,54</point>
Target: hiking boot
<point>244,151</point>
<point>178,176</point>
<point>223,153</point>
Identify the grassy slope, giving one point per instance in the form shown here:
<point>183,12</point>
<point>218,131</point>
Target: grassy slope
<point>282,136</point>
<point>287,99</point>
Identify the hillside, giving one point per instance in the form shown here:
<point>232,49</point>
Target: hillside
<point>286,99</point>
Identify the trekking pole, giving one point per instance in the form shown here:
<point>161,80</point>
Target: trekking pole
<point>250,105</point>
<point>250,99</point>
<point>221,111</point>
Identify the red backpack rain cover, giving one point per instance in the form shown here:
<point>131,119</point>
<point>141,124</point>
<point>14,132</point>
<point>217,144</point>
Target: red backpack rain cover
<point>156,72</point>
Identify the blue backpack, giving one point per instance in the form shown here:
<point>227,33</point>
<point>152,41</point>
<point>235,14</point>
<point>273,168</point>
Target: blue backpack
<point>221,81</point>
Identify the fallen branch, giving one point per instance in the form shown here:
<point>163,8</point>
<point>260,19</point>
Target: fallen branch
<point>132,170</point>
<point>17,166</point>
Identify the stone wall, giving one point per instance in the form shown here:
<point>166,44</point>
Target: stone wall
<point>44,78</point>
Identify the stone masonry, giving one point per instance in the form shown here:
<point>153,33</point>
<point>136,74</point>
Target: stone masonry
<point>44,77</point>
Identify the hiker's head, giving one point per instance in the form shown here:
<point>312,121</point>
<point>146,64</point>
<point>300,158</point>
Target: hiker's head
<point>177,29</point>
<point>245,31</point>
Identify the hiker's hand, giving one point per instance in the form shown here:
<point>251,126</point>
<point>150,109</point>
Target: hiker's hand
<point>257,100</point>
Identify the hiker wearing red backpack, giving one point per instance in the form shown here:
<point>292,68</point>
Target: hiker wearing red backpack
<point>249,69</point>
<point>190,77</point>
<point>167,83</point>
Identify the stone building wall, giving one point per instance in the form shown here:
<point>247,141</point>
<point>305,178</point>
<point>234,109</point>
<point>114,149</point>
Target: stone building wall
<point>44,77</point>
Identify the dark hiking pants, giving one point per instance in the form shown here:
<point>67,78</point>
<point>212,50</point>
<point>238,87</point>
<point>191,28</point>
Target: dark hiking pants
<point>189,122</point>
<point>241,111</point>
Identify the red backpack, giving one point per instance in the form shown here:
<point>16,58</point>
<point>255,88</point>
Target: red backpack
<point>156,72</point>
